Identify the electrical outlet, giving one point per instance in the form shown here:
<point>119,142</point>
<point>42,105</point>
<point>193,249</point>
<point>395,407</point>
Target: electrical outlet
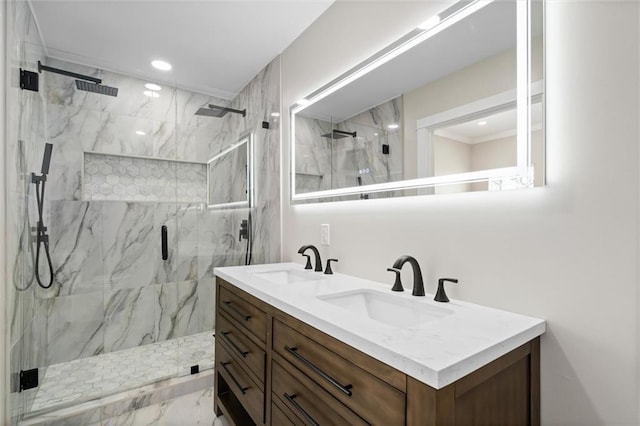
<point>324,234</point>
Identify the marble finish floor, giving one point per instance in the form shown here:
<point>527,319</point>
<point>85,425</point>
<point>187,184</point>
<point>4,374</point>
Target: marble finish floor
<point>88,378</point>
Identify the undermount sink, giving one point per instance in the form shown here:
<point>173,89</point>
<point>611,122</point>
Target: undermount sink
<point>387,308</point>
<point>288,276</point>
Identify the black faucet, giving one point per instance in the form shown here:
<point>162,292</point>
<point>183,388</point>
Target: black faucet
<point>418,285</point>
<point>318,267</point>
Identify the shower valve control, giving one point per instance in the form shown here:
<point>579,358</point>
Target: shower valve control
<point>244,230</point>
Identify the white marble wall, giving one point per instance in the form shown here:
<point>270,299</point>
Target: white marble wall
<point>218,243</point>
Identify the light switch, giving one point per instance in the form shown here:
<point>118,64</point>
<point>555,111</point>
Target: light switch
<point>324,234</point>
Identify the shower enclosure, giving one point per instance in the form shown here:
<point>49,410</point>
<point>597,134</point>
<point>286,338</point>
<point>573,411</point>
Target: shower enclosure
<point>132,241</point>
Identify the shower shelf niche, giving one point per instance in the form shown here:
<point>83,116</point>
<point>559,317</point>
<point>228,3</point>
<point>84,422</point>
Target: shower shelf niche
<point>131,178</point>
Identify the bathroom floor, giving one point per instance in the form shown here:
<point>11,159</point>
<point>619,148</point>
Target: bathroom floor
<point>97,376</point>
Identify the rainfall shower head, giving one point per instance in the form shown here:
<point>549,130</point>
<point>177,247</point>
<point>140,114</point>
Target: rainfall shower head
<point>85,82</point>
<point>219,111</point>
<point>46,158</point>
<point>339,134</point>
<point>100,89</point>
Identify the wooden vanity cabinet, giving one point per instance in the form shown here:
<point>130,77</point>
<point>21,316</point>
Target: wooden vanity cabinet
<point>272,369</point>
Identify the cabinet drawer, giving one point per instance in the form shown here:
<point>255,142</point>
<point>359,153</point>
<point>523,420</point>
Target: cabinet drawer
<point>368,396</point>
<point>245,350</point>
<point>278,417</point>
<point>309,402</point>
<point>241,384</point>
<point>245,313</point>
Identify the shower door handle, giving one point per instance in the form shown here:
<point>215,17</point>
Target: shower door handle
<point>165,248</point>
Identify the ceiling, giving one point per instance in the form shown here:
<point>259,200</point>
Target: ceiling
<point>216,47</point>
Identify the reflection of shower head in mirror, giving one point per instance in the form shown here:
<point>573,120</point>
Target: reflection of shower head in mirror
<point>339,134</point>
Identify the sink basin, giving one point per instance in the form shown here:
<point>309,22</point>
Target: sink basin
<point>289,276</point>
<point>387,308</point>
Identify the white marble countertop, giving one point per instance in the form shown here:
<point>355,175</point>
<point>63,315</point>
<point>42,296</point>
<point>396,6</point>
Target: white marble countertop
<point>436,352</point>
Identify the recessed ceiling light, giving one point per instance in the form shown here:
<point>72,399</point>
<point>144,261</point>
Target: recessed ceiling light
<point>275,114</point>
<point>153,87</point>
<point>161,65</point>
<point>140,132</point>
<point>303,102</point>
<point>482,123</point>
<point>429,23</point>
<point>375,134</point>
<point>151,94</point>
<point>393,126</point>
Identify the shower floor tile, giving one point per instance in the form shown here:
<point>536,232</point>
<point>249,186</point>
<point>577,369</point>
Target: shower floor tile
<point>88,378</point>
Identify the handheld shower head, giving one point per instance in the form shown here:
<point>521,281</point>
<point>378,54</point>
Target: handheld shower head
<point>46,159</point>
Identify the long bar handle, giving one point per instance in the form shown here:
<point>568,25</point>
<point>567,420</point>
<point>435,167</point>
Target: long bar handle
<point>344,389</point>
<point>237,312</point>
<point>307,416</point>
<point>225,334</point>
<point>242,389</point>
<point>165,244</point>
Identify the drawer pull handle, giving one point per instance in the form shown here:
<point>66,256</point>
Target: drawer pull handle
<point>242,389</point>
<point>344,389</point>
<point>237,312</point>
<point>307,416</point>
<point>226,334</point>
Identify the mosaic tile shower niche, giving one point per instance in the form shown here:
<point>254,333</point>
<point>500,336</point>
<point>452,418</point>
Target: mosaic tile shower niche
<point>123,178</point>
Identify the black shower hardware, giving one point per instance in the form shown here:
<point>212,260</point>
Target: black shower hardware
<point>29,80</point>
<point>41,237</point>
<point>219,111</point>
<point>328,270</point>
<point>315,251</point>
<point>418,285</point>
<point>244,230</point>
<point>83,82</point>
<point>441,296</point>
<point>363,196</point>
<point>165,243</point>
<point>339,134</point>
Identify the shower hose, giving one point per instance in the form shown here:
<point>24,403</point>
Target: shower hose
<point>41,233</point>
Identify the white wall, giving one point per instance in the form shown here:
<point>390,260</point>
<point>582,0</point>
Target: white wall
<point>566,252</point>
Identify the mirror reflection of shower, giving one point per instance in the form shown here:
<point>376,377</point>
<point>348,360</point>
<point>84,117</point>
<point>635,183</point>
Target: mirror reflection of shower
<point>41,237</point>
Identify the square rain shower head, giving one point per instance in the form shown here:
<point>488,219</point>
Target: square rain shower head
<point>212,112</point>
<point>100,89</point>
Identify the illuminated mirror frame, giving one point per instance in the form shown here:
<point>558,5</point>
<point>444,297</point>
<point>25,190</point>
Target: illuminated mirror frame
<point>244,139</point>
<point>431,27</point>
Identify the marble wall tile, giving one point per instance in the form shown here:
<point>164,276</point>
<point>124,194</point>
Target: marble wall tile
<point>74,326</point>
<point>131,248</point>
<point>75,231</point>
<point>130,317</point>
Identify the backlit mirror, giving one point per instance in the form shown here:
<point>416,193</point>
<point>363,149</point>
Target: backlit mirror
<point>456,105</point>
<point>229,176</point>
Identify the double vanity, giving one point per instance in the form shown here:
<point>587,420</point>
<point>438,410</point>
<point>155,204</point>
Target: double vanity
<point>298,347</point>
